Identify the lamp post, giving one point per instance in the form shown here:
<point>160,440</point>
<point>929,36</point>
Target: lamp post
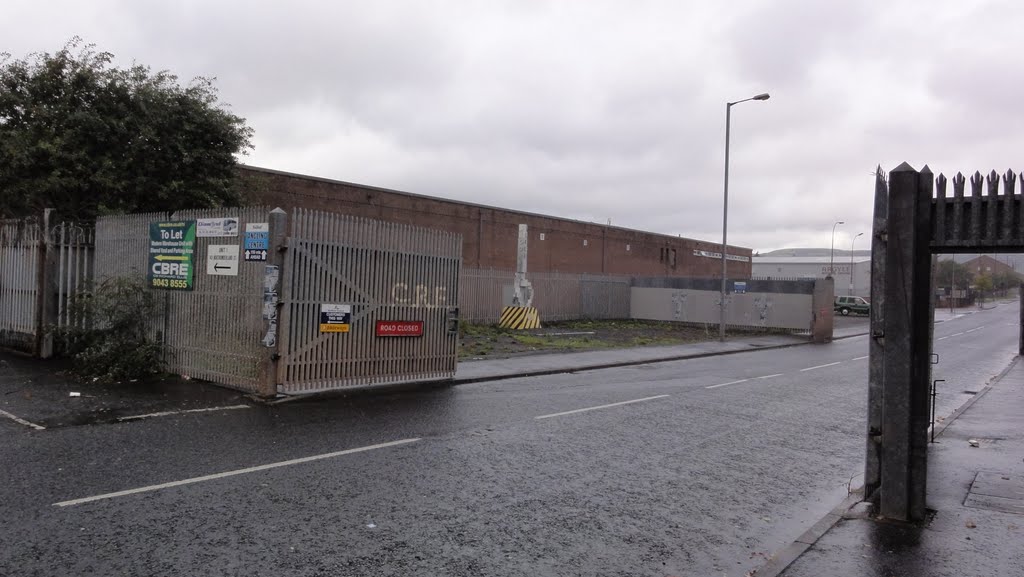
<point>832,253</point>
<point>725,208</point>
<point>853,242</point>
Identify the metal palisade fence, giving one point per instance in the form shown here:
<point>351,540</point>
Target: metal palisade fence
<point>21,254</point>
<point>42,268</point>
<point>331,301</point>
<point>366,302</point>
<point>212,324</point>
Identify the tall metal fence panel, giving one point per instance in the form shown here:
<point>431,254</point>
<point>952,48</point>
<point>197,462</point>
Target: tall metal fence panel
<point>213,331</point>
<point>21,250</point>
<point>482,294</point>
<point>42,268</point>
<point>73,248</point>
<point>366,302</point>
<point>557,296</point>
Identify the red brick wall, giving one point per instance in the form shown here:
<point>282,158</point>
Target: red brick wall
<point>490,234</point>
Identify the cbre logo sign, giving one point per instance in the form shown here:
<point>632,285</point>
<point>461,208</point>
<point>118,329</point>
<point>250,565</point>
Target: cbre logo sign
<point>399,328</point>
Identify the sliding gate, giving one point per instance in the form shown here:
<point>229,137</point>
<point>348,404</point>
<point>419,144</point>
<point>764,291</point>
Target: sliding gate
<point>365,302</point>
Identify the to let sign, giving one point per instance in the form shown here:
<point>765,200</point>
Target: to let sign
<point>171,249</point>
<point>399,328</point>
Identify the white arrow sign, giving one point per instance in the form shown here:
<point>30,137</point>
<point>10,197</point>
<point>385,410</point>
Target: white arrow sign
<point>222,259</point>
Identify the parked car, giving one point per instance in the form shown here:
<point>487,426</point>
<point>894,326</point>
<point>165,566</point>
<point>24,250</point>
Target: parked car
<point>847,305</point>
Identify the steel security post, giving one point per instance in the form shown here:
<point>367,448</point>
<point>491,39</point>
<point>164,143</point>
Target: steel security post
<point>268,378</point>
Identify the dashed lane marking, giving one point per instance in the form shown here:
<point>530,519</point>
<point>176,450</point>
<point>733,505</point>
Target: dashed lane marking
<point>820,366</point>
<point>232,473</point>
<point>600,407</point>
<point>769,376</point>
<point>167,413</point>
<point>861,358</point>
<point>21,421</point>
<point>727,384</point>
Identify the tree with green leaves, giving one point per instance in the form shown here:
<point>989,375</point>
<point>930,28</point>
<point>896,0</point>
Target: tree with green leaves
<point>87,138</point>
<point>949,272</point>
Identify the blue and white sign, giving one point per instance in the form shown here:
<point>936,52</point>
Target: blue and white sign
<point>739,287</point>
<point>257,241</point>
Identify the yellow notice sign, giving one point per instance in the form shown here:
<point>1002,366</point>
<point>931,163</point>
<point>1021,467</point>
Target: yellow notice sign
<point>329,328</point>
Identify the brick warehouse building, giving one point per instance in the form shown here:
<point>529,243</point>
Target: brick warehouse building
<point>490,233</point>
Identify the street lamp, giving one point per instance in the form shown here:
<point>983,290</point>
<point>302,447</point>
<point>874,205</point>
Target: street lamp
<point>853,242</point>
<point>831,255</point>
<point>725,207</point>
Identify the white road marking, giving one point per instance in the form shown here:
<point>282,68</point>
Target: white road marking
<point>941,338</point>
<point>977,329</point>
<point>21,421</point>
<point>769,376</point>
<point>820,366</point>
<point>727,384</point>
<point>231,473</point>
<point>955,334</point>
<point>861,358</point>
<point>166,413</point>
<point>600,407</point>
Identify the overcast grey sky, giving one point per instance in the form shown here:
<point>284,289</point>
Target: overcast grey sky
<point>595,109</point>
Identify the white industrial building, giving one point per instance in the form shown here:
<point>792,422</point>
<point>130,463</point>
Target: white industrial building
<point>852,274</point>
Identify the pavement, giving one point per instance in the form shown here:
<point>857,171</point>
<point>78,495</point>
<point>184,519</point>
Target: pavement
<point>975,500</point>
<point>976,472</point>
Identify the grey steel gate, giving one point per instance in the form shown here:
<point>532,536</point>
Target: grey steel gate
<point>365,302</point>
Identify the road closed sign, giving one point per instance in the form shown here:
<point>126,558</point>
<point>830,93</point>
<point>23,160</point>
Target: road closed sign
<point>399,328</point>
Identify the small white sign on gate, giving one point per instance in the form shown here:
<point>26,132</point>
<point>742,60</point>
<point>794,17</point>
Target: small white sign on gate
<point>206,227</point>
<point>222,259</point>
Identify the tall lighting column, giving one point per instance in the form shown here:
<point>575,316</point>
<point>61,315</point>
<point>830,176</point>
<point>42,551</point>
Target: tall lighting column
<point>853,242</point>
<point>832,253</point>
<point>725,208</point>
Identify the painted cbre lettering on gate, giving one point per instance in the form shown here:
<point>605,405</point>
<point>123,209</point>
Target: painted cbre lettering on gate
<point>419,295</point>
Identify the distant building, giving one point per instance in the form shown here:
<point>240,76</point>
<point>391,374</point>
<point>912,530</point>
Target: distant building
<point>987,265</point>
<point>490,234</point>
<point>852,275</point>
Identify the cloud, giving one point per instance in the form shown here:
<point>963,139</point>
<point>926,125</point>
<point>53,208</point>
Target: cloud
<point>595,110</point>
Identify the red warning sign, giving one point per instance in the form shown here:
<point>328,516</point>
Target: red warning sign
<point>399,328</point>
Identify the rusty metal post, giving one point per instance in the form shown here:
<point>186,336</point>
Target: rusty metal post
<point>42,345</point>
<point>268,377</point>
<point>904,432</point>
<point>876,344</point>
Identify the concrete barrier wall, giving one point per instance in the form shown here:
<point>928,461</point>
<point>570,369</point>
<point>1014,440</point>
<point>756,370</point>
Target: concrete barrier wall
<point>768,304</point>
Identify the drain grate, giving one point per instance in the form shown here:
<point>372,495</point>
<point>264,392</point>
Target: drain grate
<point>997,492</point>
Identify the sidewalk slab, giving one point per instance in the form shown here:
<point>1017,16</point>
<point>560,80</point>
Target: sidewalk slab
<point>975,494</point>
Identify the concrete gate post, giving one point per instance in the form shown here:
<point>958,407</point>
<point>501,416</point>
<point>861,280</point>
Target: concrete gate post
<point>907,359</point>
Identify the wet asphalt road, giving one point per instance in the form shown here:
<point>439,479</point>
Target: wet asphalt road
<point>733,458</point>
